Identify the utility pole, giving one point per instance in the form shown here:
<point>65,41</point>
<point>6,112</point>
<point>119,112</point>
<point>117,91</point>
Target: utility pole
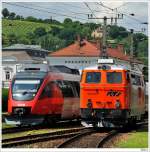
<point>104,44</point>
<point>131,49</point>
<point>104,47</point>
<point>131,44</point>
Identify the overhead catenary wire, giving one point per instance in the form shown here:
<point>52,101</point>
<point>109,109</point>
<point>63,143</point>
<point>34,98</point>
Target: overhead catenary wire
<point>75,13</point>
<point>127,15</point>
<point>90,9</point>
<point>49,12</point>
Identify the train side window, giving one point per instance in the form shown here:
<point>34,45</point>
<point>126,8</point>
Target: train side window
<point>66,88</point>
<point>76,88</point>
<point>46,92</point>
<point>128,77</point>
<point>93,77</point>
<point>135,79</point>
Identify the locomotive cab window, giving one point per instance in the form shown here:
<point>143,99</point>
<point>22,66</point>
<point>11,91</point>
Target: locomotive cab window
<point>93,77</point>
<point>114,77</point>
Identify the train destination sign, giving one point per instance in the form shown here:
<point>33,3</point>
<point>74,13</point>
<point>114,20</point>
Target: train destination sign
<point>105,61</point>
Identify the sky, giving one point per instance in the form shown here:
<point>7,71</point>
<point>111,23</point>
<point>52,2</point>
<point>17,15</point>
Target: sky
<point>80,10</point>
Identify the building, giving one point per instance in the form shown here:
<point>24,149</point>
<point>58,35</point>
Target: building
<point>84,53</point>
<point>98,33</point>
<point>17,54</point>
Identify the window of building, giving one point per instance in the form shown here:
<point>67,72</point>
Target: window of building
<point>93,77</point>
<point>114,77</point>
<point>7,75</point>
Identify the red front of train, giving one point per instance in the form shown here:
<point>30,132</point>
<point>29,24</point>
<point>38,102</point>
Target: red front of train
<point>35,97</point>
<point>111,97</point>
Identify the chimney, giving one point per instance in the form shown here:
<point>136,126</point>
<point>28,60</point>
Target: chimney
<point>78,42</point>
<point>120,47</point>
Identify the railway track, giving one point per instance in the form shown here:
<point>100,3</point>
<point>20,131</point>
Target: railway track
<point>38,127</point>
<point>88,139</point>
<point>30,139</point>
<point>21,129</point>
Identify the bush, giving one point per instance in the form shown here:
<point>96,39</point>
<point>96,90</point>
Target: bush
<point>4,100</point>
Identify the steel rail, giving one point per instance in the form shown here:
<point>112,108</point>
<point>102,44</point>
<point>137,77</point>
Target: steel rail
<point>76,137</point>
<point>40,137</point>
<point>106,138</point>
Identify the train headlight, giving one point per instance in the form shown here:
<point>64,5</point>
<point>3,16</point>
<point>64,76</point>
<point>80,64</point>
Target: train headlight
<point>117,104</point>
<point>89,103</point>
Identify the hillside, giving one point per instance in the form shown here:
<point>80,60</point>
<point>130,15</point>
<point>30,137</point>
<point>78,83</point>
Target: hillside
<point>21,28</point>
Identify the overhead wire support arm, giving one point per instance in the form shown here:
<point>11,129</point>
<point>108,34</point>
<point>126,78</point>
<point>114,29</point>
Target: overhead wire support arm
<point>104,44</point>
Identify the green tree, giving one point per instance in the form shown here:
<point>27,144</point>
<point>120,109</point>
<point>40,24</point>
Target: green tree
<point>31,18</point>
<point>40,31</point>
<point>5,12</point>
<point>12,15</point>
<point>5,40</point>
<point>18,17</point>
<point>68,34</point>
<point>51,42</point>
<point>23,40</point>
<point>55,30</point>
<point>67,21</point>
<point>12,38</point>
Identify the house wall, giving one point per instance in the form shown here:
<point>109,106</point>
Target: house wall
<point>82,62</point>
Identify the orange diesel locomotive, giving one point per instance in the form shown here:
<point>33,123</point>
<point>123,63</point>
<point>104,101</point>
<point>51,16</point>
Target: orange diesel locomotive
<point>111,96</point>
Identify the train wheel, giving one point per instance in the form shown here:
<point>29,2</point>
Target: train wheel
<point>132,123</point>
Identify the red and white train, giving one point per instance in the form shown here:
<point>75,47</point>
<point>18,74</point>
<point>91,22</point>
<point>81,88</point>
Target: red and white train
<point>37,95</point>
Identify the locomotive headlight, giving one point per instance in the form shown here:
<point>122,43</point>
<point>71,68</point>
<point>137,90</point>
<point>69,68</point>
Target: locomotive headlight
<point>89,103</point>
<point>117,104</point>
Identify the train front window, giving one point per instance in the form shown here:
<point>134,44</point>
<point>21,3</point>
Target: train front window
<point>114,77</point>
<point>93,77</point>
<point>25,89</point>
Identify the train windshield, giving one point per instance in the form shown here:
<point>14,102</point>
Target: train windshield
<point>25,89</point>
<point>114,77</point>
<point>93,77</point>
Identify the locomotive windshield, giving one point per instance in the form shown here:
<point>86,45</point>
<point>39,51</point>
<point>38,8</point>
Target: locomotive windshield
<point>93,77</point>
<point>114,77</point>
<point>25,89</point>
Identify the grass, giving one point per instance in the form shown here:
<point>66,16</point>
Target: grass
<point>21,28</point>
<point>135,140</point>
<point>4,125</point>
<point>32,132</point>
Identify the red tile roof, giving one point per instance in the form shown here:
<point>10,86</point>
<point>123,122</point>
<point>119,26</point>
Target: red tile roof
<point>89,49</point>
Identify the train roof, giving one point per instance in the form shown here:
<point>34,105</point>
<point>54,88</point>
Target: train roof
<point>41,75</point>
<point>115,67</point>
<point>29,74</point>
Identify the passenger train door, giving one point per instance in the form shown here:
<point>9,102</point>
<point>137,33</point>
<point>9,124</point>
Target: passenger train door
<point>69,104</point>
<point>50,100</point>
